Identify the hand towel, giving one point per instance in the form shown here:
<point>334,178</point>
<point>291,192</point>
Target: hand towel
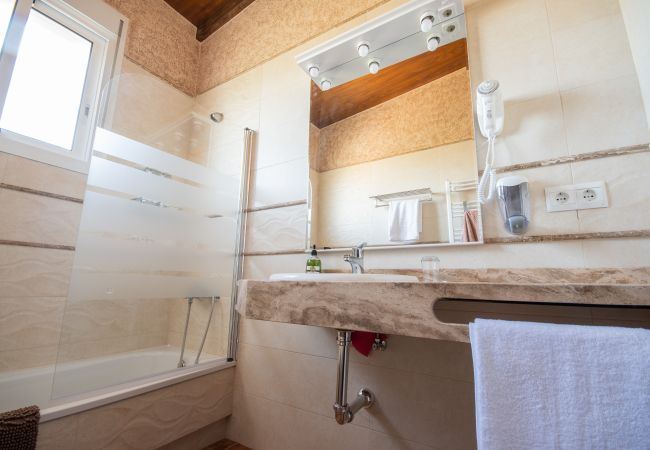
<point>470,226</point>
<point>404,220</point>
<point>547,386</point>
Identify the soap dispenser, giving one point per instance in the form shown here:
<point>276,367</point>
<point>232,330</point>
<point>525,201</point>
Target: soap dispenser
<point>512,193</point>
<point>313,262</point>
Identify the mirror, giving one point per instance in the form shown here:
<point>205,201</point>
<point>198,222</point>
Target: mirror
<point>380,141</point>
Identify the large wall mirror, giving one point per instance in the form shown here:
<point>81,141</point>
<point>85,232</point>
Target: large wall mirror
<point>396,146</point>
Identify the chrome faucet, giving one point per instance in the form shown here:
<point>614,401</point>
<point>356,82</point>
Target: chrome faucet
<point>356,258</point>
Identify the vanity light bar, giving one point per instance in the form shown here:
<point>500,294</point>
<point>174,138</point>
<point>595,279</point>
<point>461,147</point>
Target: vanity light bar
<point>388,39</point>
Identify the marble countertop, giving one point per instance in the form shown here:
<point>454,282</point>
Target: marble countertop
<point>408,308</point>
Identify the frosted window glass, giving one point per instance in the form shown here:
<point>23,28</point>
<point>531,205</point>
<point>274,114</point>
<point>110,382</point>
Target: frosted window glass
<point>47,83</point>
<point>6,8</point>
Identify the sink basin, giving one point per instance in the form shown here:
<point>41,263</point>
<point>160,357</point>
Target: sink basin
<point>350,277</point>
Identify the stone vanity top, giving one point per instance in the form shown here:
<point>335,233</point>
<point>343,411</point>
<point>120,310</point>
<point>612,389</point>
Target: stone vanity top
<point>408,308</point>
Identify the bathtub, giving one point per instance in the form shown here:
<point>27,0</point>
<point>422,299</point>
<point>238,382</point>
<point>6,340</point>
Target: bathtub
<point>81,385</point>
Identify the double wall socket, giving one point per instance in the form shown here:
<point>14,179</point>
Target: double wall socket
<point>576,196</point>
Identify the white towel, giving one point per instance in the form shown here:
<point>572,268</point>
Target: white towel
<point>547,386</point>
<point>404,220</point>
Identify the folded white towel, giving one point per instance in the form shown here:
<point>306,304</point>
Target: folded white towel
<point>404,220</point>
<point>547,386</point>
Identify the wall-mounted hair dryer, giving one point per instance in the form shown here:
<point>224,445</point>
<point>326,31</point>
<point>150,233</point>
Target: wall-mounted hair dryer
<point>489,111</point>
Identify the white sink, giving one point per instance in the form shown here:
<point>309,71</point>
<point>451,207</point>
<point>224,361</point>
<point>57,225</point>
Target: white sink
<point>350,277</point>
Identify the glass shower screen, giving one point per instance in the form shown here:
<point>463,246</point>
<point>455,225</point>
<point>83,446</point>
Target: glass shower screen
<point>159,227</point>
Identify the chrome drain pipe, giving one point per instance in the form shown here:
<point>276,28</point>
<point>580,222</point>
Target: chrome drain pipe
<point>344,412</point>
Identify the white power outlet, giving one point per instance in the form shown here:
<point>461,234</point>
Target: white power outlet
<point>576,196</point>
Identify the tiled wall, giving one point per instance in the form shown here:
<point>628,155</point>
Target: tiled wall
<point>156,419</point>
<point>37,228</point>
<point>432,115</point>
<point>346,216</point>
<point>565,94</point>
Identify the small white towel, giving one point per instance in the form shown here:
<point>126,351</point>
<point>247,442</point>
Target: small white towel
<point>541,386</point>
<point>404,220</point>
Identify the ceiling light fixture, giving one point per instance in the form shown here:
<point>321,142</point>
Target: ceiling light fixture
<point>373,67</point>
<point>426,22</point>
<point>433,43</point>
<point>314,71</point>
<point>363,49</point>
<point>325,85</point>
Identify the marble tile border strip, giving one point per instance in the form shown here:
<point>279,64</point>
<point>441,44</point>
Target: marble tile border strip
<point>66,198</point>
<point>37,245</point>
<point>620,151</point>
<point>570,237</point>
<point>277,205</point>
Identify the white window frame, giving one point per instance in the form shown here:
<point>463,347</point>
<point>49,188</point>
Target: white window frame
<point>77,159</point>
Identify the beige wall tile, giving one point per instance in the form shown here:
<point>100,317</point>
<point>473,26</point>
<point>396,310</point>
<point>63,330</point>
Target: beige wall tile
<point>313,341</point>
<point>585,55</point>
<point>34,272</point>
<point>260,267</point>
<point>443,359</point>
<point>104,319</point>
<point>510,41</point>
<point>60,434</point>
<point>564,14</point>
<point>276,229</point>
<point>627,189</point>
<point>605,115</point>
<point>30,322</point>
<point>294,379</point>
<point>34,218</point>
<point>267,425</point>
<point>24,172</point>
<point>158,417</point>
<point>13,360</point>
<point>268,190</point>
<point>201,438</point>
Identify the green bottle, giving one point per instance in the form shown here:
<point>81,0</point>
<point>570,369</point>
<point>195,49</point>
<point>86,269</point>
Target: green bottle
<point>313,262</point>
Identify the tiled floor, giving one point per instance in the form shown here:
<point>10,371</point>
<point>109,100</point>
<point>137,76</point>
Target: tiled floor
<point>226,444</point>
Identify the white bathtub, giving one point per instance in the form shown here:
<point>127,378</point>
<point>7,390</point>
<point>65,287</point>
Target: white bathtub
<point>80,385</point>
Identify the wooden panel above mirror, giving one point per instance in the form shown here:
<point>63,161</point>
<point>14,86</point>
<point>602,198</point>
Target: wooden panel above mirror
<point>341,102</point>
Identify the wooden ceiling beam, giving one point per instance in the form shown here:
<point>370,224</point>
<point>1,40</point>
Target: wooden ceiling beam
<point>341,102</point>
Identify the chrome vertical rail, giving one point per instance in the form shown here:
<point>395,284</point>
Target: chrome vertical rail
<point>181,363</point>
<point>344,412</point>
<point>207,328</point>
<point>238,269</point>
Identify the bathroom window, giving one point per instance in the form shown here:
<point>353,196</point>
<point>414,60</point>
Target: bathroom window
<point>52,66</point>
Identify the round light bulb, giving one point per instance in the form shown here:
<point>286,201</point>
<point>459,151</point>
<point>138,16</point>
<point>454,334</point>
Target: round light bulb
<point>363,50</point>
<point>426,23</point>
<point>373,67</point>
<point>325,85</point>
<point>433,42</point>
<point>314,71</point>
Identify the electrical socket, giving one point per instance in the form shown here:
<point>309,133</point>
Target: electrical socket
<point>576,196</point>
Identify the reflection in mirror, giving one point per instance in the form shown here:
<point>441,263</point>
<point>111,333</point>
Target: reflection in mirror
<point>392,155</point>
